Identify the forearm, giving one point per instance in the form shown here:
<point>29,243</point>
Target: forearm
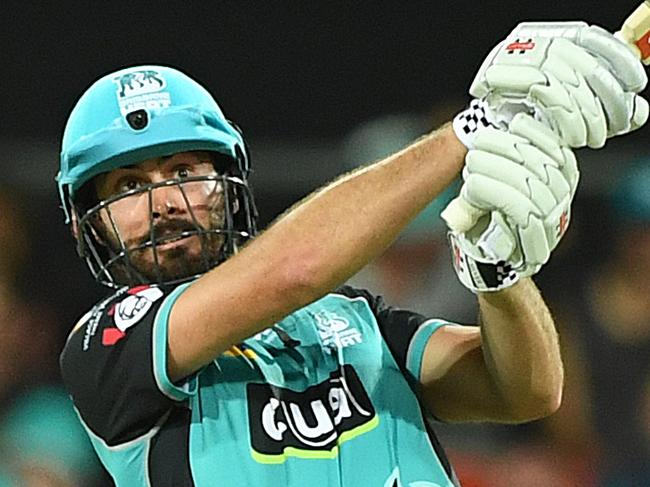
<point>331,235</point>
<point>309,251</point>
<point>341,228</point>
<point>521,350</point>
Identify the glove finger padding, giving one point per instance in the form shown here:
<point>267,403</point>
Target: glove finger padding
<point>515,176</point>
<point>640,109</point>
<point>586,93</point>
<point>607,48</point>
<point>601,81</point>
<point>568,105</point>
<point>490,194</point>
<point>544,140</point>
<point>592,113</point>
<point>524,183</point>
<point>559,108</point>
<point>611,51</point>
<point>533,146</point>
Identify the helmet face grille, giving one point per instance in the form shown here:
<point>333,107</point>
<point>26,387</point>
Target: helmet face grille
<point>133,115</point>
<point>138,237</point>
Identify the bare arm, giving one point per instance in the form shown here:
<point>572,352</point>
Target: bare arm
<point>309,251</point>
<point>509,369</point>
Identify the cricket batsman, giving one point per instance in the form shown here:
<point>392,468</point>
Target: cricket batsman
<point>227,358</point>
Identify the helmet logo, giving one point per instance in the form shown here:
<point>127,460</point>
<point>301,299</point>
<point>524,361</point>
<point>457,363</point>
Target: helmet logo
<point>142,89</point>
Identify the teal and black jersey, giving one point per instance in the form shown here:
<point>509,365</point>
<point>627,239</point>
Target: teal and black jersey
<point>326,397</point>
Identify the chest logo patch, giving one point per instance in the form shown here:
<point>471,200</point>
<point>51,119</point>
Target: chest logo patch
<point>308,424</point>
<point>336,331</point>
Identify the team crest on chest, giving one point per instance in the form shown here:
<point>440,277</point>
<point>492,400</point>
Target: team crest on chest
<point>336,330</point>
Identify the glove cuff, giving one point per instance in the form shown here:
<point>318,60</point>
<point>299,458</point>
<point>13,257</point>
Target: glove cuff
<point>479,274</point>
<point>468,123</point>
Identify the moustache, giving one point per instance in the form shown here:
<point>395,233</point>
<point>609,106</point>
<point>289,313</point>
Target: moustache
<point>166,230</point>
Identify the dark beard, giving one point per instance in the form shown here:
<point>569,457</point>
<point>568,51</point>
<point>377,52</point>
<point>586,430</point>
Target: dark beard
<point>176,265</point>
<point>204,249</point>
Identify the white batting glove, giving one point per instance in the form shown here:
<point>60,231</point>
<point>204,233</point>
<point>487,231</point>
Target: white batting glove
<point>579,79</point>
<point>523,182</point>
<point>473,120</point>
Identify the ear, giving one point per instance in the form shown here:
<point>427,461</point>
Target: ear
<point>97,234</point>
<point>74,224</point>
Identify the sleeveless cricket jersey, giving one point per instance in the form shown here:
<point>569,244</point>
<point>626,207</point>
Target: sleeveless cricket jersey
<point>326,397</point>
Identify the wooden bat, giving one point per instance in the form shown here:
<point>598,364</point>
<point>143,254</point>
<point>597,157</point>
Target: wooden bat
<point>635,32</point>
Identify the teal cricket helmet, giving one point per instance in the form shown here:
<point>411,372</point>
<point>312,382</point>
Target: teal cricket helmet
<point>132,115</point>
<point>138,113</point>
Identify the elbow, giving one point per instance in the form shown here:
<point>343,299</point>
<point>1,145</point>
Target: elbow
<point>538,399</point>
<point>550,397</point>
<point>538,405</point>
<point>549,404</point>
<point>301,279</point>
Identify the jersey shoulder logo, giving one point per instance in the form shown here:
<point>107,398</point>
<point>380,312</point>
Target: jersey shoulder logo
<point>92,319</point>
<point>308,424</point>
<point>135,306</point>
<point>129,311</point>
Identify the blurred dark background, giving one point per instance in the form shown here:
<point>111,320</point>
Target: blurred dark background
<point>318,88</point>
<point>279,67</point>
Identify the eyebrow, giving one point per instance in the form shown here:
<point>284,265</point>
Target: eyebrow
<point>163,159</point>
<point>135,166</point>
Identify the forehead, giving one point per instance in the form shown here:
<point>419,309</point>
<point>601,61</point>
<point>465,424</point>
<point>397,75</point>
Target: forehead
<point>201,159</point>
<point>190,157</point>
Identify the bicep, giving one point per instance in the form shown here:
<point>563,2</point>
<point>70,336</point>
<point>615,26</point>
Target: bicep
<point>455,382</point>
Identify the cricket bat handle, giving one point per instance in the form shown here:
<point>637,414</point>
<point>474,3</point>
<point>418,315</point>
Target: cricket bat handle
<point>635,32</point>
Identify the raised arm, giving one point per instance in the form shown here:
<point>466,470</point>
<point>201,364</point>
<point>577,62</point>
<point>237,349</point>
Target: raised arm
<point>508,369</point>
<point>514,208</point>
<point>316,246</point>
<point>332,234</point>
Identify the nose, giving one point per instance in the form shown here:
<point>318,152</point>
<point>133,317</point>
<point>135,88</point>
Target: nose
<point>167,201</point>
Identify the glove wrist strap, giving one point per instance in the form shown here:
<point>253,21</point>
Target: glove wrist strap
<point>478,274</point>
<point>468,123</point>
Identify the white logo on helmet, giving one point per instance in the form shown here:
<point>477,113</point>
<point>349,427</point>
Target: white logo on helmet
<point>137,90</point>
<point>135,307</point>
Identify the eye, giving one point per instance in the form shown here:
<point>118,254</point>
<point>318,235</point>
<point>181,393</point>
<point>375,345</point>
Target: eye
<point>128,184</point>
<point>183,172</point>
